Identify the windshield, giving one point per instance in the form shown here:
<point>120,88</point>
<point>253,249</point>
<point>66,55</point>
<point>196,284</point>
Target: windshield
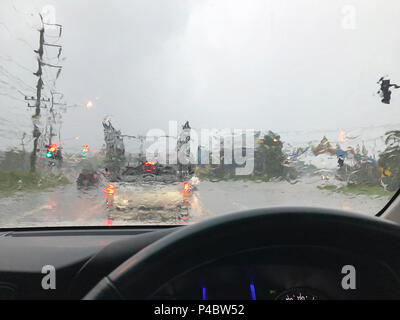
<point>171,112</point>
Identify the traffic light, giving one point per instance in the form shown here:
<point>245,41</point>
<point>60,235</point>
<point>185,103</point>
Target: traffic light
<point>53,148</point>
<point>51,151</point>
<point>85,149</point>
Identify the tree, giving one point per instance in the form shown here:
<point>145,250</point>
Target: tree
<point>389,161</point>
<point>272,155</point>
<point>14,160</point>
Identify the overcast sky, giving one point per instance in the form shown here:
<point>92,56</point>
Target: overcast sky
<point>277,64</point>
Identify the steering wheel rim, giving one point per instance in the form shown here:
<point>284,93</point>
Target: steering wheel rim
<point>145,272</point>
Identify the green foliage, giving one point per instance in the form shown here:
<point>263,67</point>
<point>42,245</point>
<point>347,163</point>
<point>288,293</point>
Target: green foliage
<point>268,163</point>
<point>328,187</point>
<point>392,138</point>
<point>11,182</point>
<point>389,160</point>
<point>214,172</point>
<point>362,173</point>
<point>359,189</point>
<point>256,178</point>
<point>272,155</point>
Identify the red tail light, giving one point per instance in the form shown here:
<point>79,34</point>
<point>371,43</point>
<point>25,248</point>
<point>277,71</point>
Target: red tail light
<point>186,188</point>
<point>110,190</point>
<point>149,166</point>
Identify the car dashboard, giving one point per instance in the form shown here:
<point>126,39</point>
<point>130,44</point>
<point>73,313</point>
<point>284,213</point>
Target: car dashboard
<point>83,257</point>
<point>284,273</point>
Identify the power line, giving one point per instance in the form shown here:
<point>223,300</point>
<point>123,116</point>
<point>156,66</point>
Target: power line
<point>16,79</point>
<point>39,101</point>
<point>39,86</point>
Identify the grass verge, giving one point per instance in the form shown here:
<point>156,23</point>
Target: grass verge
<point>358,189</point>
<point>11,182</point>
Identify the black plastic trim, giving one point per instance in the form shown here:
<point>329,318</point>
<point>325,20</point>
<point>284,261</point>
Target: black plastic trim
<point>83,230</point>
<point>388,204</point>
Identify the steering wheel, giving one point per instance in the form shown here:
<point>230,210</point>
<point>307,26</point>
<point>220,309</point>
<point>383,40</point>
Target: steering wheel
<point>144,273</point>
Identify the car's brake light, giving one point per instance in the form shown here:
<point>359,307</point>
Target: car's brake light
<point>186,188</point>
<point>110,190</point>
<point>149,166</point>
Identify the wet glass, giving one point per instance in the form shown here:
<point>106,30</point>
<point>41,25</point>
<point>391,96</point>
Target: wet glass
<point>171,112</point>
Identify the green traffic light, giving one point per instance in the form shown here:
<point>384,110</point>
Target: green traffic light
<point>49,155</point>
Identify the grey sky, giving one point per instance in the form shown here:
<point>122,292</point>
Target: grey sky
<point>280,64</point>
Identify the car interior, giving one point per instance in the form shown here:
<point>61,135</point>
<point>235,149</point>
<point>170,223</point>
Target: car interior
<point>258,254</point>
<point>199,150</point>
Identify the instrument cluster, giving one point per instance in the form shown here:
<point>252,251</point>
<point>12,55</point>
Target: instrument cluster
<point>285,273</point>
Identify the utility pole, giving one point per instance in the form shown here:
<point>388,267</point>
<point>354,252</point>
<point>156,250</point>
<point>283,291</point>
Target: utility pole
<point>38,99</point>
<point>39,87</point>
<point>53,118</point>
<point>53,114</point>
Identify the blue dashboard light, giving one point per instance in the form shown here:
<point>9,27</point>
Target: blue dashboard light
<point>253,292</point>
<point>204,293</point>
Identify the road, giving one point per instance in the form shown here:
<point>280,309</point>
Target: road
<point>67,206</point>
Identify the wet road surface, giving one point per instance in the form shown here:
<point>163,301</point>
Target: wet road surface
<point>68,206</point>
